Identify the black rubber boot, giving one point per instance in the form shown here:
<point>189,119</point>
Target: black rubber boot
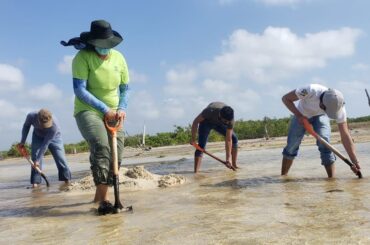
<point>105,207</point>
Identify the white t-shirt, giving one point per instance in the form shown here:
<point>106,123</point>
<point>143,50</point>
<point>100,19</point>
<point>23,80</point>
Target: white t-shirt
<point>309,102</point>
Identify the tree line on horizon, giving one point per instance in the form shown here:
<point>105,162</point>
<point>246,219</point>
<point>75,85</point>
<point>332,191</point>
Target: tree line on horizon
<point>244,129</point>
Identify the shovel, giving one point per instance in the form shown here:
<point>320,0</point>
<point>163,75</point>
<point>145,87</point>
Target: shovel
<point>214,157</point>
<point>113,131</point>
<point>23,151</point>
<point>309,129</point>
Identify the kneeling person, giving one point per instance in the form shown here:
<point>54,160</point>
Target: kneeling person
<point>220,117</point>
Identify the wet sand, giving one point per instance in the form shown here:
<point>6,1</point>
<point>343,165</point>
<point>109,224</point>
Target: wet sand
<point>217,206</point>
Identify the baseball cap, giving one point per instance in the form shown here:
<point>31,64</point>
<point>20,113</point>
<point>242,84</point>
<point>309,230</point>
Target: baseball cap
<point>333,101</point>
<point>45,118</point>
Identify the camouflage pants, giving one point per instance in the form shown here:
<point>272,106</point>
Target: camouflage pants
<point>92,128</point>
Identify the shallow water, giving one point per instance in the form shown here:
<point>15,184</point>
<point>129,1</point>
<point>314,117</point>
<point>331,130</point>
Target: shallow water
<point>251,206</point>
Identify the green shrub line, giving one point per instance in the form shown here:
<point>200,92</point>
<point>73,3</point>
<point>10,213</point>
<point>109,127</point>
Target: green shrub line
<point>244,129</point>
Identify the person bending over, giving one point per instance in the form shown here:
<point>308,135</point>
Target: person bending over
<point>219,117</point>
<point>317,104</point>
<point>46,135</point>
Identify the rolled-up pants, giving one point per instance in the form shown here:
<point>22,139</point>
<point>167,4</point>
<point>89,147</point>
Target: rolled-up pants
<point>92,128</point>
<point>321,124</point>
<point>56,149</point>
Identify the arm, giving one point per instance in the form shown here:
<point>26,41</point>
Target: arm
<point>288,100</point>
<point>25,130</point>
<point>228,144</point>
<point>81,92</point>
<point>124,94</point>
<point>194,128</point>
<point>348,144</point>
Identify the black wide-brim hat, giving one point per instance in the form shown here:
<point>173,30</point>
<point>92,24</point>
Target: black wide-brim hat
<point>101,35</point>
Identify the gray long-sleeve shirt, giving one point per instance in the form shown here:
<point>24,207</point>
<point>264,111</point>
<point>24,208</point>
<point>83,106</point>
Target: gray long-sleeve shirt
<point>46,133</point>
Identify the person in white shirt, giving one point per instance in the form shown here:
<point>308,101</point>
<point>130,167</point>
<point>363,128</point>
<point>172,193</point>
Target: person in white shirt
<point>317,104</point>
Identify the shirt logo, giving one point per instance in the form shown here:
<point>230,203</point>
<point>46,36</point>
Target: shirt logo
<point>303,92</point>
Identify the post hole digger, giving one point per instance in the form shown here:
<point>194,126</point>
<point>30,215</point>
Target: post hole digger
<point>311,131</point>
<point>23,151</point>
<point>196,146</point>
<point>118,207</point>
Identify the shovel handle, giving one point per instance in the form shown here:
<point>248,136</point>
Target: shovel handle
<point>368,97</point>
<point>23,151</point>
<point>196,146</point>
<point>311,131</point>
<point>113,131</point>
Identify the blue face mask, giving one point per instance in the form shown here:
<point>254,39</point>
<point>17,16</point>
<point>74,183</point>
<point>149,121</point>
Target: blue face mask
<point>102,51</point>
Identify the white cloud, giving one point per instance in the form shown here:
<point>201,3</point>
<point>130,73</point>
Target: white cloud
<point>11,120</point>
<point>143,105</point>
<point>353,89</point>
<point>355,97</point>
<point>243,100</point>
<point>137,77</point>
<point>318,80</point>
<point>173,108</point>
<point>11,78</point>
<point>277,92</point>
<point>65,66</point>
<point>8,110</point>
<point>248,69</point>
<point>47,92</point>
<point>181,82</point>
<point>360,67</point>
<point>217,86</point>
<point>278,53</point>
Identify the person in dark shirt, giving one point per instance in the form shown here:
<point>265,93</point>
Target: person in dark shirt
<point>220,117</point>
<point>46,135</point>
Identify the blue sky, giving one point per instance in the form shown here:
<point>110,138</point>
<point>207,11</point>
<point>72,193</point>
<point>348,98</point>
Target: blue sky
<point>184,54</point>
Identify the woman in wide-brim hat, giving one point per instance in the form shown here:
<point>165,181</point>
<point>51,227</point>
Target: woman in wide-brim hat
<point>100,82</point>
<point>101,35</point>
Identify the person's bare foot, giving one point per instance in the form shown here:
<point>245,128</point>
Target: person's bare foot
<point>34,185</point>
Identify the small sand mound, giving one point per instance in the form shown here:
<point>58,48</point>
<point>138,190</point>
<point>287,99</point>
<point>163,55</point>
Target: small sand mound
<point>137,178</point>
<point>171,180</point>
<point>139,172</point>
<point>86,183</point>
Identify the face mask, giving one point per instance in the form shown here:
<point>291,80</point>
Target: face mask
<point>102,51</point>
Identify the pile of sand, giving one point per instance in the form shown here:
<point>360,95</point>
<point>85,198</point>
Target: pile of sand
<point>86,183</point>
<point>137,178</point>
